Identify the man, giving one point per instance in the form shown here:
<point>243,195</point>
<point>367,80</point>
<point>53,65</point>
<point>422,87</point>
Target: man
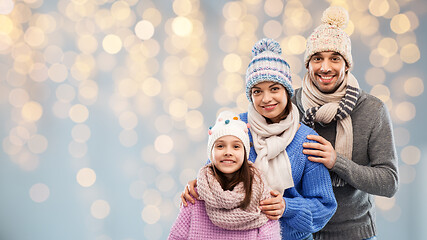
<point>356,139</point>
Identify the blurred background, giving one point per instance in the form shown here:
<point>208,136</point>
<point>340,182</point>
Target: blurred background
<point>105,105</point>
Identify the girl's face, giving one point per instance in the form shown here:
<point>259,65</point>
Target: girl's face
<point>270,100</point>
<point>228,154</point>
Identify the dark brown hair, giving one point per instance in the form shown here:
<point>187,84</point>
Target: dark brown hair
<point>245,174</point>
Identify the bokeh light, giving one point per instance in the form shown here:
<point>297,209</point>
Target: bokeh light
<point>100,209</point>
<point>79,113</point>
<point>86,177</point>
<point>32,111</point>
<point>414,86</point>
<point>144,30</point>
<point>39,192</point>
<point>112,44</point>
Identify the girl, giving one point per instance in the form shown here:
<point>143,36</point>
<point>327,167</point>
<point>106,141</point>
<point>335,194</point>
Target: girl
<point>230,189</point>
<point>303,198</point>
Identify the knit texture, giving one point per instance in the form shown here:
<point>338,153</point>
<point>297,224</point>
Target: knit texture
<point>311,202</point>
<point>193,223</point>
<point>371,170</point>
<point>336,106</point>
<point>222,206</point>
<point>330,36</point>
<point>267,65</point>
<point>228,123</point>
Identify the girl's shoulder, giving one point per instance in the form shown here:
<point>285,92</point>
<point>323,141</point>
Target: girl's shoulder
<point>198,208</point>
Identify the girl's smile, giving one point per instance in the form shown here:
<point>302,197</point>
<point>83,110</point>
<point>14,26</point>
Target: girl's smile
<point>228,154</point>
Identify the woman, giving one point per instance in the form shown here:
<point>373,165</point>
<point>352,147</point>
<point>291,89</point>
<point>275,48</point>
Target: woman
<point>303,199</point>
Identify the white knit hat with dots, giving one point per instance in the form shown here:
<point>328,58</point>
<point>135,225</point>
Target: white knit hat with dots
<point>228,123</point>
<point>330,36</point>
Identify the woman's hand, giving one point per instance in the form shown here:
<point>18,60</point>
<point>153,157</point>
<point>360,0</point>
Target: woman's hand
<point>188,192</point>
<point>273,207</point>
<point>321,152</point>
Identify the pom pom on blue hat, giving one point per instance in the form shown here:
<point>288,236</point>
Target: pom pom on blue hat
<point>268,65</point>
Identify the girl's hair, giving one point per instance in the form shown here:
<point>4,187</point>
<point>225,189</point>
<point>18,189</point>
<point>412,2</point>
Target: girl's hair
<point>245,174</point>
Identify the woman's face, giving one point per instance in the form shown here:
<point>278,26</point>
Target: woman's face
<point>270,100</point>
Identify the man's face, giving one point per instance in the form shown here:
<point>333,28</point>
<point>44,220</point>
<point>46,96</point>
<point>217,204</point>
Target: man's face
<point>327,70</point>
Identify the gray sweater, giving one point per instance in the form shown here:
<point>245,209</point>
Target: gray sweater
<point>371,171</point>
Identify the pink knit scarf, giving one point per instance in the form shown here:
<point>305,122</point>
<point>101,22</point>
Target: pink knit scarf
<point>222,206</point>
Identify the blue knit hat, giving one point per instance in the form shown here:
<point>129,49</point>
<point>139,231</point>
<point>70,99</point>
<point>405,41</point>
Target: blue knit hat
<point>268,65</point>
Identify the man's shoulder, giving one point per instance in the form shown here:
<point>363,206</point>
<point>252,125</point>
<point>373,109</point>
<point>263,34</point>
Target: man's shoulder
<point>369,100</point>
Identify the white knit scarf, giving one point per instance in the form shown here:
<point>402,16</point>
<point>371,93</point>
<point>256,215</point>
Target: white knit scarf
<point>324,108</point>
<point>270,142</point>
<point>222,206</point>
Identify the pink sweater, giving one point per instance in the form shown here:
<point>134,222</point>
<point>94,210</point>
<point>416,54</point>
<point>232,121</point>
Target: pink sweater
<point>194,223</point>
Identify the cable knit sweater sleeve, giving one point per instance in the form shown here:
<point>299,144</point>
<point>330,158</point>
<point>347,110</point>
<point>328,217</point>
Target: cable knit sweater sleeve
<point>311,203</point>
<point>311,208</point>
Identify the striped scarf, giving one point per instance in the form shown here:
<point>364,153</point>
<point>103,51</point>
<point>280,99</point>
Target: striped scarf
<point>336,106</point>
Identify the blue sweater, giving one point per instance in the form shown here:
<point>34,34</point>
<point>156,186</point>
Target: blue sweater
<point>311,202</point>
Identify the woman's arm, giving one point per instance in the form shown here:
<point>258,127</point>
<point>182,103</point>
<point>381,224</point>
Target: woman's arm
<point>311,207</point>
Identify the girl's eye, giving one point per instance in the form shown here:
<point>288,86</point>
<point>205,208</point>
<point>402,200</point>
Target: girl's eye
<point>219,146</point>
<point>274,89</point>
<point>237,146</point>
<point>256,92</point>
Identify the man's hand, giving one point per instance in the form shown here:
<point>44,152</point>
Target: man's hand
<point>273,207</point>
<point>321,152</point>
<point>188,192</point>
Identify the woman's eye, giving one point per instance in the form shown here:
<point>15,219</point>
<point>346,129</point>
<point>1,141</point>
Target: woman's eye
<point>237,146</point>
<point>255,92</point>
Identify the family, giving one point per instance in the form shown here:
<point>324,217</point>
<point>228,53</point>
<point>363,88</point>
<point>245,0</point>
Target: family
<point>299,164</point>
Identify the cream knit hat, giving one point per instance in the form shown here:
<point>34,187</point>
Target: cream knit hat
<point>330,36</point>
<point>228,123</point>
